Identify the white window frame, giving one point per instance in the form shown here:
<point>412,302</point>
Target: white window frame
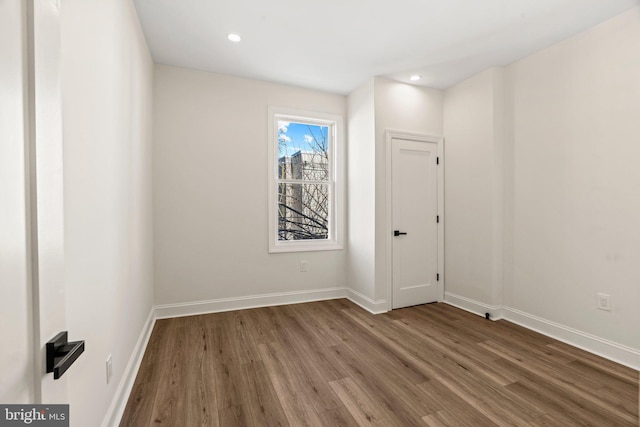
<point>336,181</point>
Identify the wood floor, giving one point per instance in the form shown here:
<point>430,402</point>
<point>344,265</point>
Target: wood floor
<point>331,363</point>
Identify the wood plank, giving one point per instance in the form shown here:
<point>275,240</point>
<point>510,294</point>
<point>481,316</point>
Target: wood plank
<point>199,391</point>
<point>560,409</point>
<point>298,409</point>
<point>477,393</point>
<point>306,370</point>
<point>452,419</point>
<point>339,417</point>
<point>331,363</point>
<point>169,403</point>
<point>263,406</point>
<point>464,354</point>
<point>140,405</point>
<point>554,376</point>
<point>596,362</point>
<point>234,416</point>
<point>453,411</point>
<point>359,404</point>
<point>401,401</point>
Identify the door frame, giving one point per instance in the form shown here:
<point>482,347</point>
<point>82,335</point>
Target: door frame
<point>44,190</point>
<point>390,135</point>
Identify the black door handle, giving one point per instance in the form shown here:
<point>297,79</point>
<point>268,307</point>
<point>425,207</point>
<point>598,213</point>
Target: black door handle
<point>61,353</point>
<point>397,233</point>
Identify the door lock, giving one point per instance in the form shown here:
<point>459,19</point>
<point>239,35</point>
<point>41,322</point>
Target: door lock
<point>397,233</point>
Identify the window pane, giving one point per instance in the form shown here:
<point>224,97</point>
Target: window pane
<point>303,211</point>
<point>303,151</point>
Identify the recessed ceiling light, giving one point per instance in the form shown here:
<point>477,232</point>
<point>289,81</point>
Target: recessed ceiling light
<point>234,37</point>
<point>415,78</point>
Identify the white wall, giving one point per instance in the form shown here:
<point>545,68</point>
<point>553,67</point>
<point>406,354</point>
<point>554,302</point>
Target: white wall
<point>207,128</point>
<point>548,146</point>
<point>473,188</point>
<point>210,189</point>
<point>361,190</point>
<point>107,88</point>
<point>376,106</point>
<point>574,202</point>
<point>403,107</point>
<point>16,383</point>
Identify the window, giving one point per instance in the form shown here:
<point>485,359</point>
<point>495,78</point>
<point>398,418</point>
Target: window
<point>305,181</point>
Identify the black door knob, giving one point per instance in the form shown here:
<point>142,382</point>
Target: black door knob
<point>397,233</point>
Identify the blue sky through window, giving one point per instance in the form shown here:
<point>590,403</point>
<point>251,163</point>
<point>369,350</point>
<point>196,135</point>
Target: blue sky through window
<point>294,137</point>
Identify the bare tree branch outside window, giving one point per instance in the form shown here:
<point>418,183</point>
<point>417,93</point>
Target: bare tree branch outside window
<point>303,200</point>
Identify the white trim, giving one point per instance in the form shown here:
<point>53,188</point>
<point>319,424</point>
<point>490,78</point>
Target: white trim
<point>391,134</point>
<point>374,307</point>
<point>166,311</point>
<point>119,402</point>
<point>602,347</point>
<point>473,306</point>
<point>304,246</point>
<point>337,154</point>
<point>440,150</point>
<point>251,301</point>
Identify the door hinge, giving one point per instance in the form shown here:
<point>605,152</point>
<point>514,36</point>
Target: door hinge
<point>437,160</point>
<point>438,219</point>
<point>437,277</point>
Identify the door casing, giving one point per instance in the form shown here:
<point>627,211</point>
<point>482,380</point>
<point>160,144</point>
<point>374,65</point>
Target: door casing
<point>391,134</point>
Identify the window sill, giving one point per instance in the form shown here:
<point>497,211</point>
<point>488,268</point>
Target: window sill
<point>293,246</point>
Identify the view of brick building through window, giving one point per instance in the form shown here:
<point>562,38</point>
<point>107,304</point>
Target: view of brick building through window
<point>303,188</point>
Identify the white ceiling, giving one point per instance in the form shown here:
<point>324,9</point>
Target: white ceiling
<point>336,45</point>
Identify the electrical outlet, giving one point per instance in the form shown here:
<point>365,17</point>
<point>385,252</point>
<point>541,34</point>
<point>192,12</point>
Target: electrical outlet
<point>303,266</point>
<point>604,302</point>
<point>109,369</point>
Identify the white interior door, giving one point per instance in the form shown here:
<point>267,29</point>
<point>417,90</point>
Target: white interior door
<point>32,299</point>
<point>414,212</point>
<point>17,379</point>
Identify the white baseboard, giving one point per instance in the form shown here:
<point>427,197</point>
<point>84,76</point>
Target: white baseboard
<point>119,402</point>
<point>473,306</point>
<point>375,307</point>
<point>252,301</point>
<point>608,349</point>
